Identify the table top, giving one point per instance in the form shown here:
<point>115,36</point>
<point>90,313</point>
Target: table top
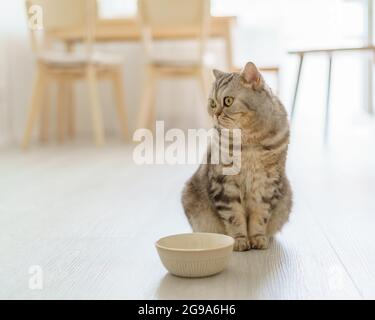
<point>128,29</point>
<point>331,50</point>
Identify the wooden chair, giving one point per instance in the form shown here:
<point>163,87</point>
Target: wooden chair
<point>156,15</point>
<point>65,67</point>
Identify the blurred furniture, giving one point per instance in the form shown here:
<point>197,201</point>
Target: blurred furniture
<point>66,67</point>
<point>128,29</point>
<point>275,70</point>
<point>329,52</point>
<point>171,14</point>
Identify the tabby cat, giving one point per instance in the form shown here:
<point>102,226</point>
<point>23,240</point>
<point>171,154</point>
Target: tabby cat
<point>254,204</point>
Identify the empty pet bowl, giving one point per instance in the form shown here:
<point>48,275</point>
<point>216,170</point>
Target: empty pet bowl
<point>195,254</point>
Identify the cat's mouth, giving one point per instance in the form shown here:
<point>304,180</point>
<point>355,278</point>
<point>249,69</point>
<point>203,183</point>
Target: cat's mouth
<point>224,121</point>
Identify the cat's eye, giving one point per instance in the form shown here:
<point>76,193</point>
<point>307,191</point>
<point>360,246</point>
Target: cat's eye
<point>212,104</point>
<point>228,101</point>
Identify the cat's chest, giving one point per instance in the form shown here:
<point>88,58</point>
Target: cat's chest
<point>251,164</point>
<point>252,172</point>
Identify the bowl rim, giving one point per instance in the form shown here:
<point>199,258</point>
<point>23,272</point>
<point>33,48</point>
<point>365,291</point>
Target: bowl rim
<point>194,250</point>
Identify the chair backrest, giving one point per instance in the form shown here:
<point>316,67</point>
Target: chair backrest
<point>174,14</point>
<point>61,15</point>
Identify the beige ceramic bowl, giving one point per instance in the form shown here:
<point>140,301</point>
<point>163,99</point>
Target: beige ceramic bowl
<point>195,254</point>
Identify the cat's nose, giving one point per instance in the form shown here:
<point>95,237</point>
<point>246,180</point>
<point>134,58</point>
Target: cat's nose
<point>218,112</point>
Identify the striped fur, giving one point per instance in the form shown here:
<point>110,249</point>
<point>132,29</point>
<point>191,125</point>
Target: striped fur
<point>254,204</point>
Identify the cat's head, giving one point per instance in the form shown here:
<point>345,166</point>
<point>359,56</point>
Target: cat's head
<point>240,100</point>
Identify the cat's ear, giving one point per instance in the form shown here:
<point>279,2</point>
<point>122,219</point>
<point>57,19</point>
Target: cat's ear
<point>251,75</point>
<point>217,73</point>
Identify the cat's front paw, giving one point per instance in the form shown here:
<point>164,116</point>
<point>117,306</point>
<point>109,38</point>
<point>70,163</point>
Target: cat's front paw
<point>259,242</point>
<point>241,244</point>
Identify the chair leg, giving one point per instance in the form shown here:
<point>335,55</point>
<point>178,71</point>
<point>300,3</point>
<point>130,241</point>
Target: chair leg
<point>229,50</point>
<point>118,86</point>
<point>301,57</point>
<point>61,111</point>
<point>97,119</point>
<point>151,121</point>
<point>44,116</point>
<point>35,104</point>
<point>70,109</point>
<point>146,115</point>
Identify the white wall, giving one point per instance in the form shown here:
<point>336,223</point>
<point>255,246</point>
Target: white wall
<point>3,94</point>
<point>15,67</point>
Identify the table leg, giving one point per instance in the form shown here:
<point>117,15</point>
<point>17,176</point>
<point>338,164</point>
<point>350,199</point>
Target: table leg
<point>297,86</point>
<point>326,119</point>
<point>61,111</point>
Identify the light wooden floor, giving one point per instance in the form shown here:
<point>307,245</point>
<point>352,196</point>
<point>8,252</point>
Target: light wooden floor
<point>89,217</point>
